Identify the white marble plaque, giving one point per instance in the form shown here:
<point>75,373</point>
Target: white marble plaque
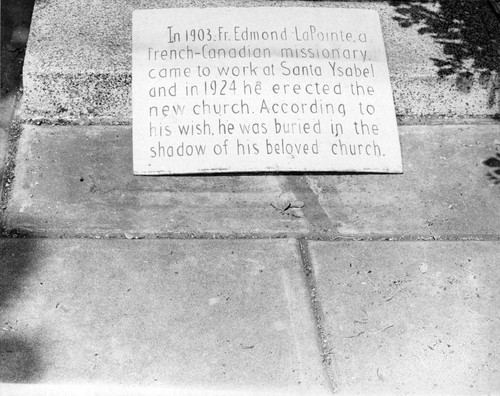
<point>261,89</point>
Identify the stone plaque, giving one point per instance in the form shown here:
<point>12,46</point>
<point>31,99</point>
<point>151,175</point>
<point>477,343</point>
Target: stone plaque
<point>261,89</point>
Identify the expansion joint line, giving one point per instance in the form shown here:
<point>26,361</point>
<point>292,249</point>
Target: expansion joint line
<point>328,357</point>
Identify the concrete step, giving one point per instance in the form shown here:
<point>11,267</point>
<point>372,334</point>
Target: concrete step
<point>443,58</point>
<point>410,318</point>
<point>77,181</point>
<point>228,317</point>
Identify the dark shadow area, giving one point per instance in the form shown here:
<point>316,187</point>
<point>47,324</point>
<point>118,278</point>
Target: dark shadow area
<point>15,25</point>
<point>16,20</point>
<point>19,361</point>
<point>493,163</point>
<point>20,355</point>
<point>469,32</point>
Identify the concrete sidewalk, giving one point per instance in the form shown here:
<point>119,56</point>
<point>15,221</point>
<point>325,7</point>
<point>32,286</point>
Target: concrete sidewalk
<point>255,316</point>
<point>264,284</point>
<point>70,183</point>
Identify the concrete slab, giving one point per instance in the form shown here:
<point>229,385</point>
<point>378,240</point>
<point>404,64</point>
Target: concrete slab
<point>224,316</point>
<point>411,318</point>
<point>78,181</point>
<point>442,57</point>
<point>445,192</point>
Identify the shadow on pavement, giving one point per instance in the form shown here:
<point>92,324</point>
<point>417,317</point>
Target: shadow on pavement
<point>16,20</point>
<point>20,359</point>
<point>15,24</point>
<point>470,34</point>
<point>494,164</point>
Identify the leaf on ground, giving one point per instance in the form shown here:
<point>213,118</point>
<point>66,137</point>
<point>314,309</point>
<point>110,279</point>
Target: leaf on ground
<point>297,204</point>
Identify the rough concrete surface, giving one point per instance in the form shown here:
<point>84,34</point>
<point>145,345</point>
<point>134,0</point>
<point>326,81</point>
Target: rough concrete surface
<point>223,315</point>
<point>78,64</point>
<point>78,180</point>
<point>411,318</point>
